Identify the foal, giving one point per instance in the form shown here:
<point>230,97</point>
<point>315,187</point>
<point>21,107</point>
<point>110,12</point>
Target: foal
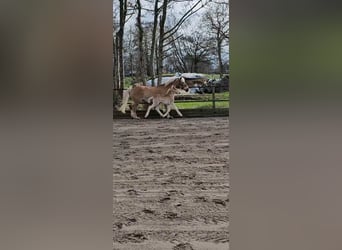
<point>168,99</point>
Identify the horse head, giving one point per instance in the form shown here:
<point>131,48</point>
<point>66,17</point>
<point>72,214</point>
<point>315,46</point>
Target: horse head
<point>182,84</point>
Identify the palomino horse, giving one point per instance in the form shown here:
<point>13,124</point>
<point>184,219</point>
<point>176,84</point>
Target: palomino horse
<point>168,100</point>
<point>141,94</point>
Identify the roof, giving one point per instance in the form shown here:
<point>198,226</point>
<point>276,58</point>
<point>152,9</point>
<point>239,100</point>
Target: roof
<point>187,76</point>
<point>193,76</point>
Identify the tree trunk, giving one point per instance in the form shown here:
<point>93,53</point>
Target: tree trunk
<point>116,90</point>
<point>131,64</point>
<point>196,61</point>
<point>141,64</point>
<point>219,54</point>
<point>119,44</point>
<point>153,45</point>
<point>146,50</point>
<point>161,42</point>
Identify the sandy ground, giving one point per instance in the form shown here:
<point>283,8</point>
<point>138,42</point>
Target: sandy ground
<point>170,184</point>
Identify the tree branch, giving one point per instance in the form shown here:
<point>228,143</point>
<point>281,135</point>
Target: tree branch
<point>186,15</point>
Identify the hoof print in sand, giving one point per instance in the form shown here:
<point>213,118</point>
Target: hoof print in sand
<point>136,237</point>
<point>164,199</point>
<point>148,211</point>
<point>118,225</point>
<point>132,219</point>
<point>170,215</point>
<point>201,199</point>
<point>220,202</point>
<point>183,246</point>
<point>132,192</point>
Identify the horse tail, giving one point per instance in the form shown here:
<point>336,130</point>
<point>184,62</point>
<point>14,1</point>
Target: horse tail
<point>125,98</point>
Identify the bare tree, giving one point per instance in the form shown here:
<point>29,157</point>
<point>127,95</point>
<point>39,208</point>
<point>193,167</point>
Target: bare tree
<point>176,57</point>
<point>129,52</point>
<point>141,72</point>
<point>153,42</point>
<point>167,34</point>
<point>118,42</point>
<point>161,41</point>
<point>118,47</point>
<point>197,50</point>
<point>191,53</point>
<point>216,19</point>
<point>116,81</point>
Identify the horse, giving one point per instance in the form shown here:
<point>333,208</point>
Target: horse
<point>168,99</point>
<point>141,94</point>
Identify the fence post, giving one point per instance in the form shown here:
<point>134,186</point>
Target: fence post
<point>213,95</point>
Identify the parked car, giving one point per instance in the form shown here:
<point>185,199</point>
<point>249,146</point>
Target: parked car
<point>220,85</point>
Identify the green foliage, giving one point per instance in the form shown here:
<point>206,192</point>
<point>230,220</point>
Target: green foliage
<point>213,76</point>
<point>128,82</point>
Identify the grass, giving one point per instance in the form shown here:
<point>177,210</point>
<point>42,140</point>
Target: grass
<point>202,105</point>
<point>212,76</point>
<point>208,97</point>
<point>222,95</point>
<point>205,101</point>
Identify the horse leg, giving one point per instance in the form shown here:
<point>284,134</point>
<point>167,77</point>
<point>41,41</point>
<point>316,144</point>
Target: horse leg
<point>148,110</point>
<point>155,104</point>
<point>177,110</point>
<point>159,112</point>
<point>168,112</point>
<point>134,111</point>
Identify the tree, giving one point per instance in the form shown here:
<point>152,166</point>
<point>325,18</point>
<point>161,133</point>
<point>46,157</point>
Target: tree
<point>164,35</point>
<point>116,81</point>
<point>118,72</point>
<point>130,58</point>
<point>141,72</point>
<point>191,53</point>
<point>161,41</point>
<point>176,55</point>
<point>197,50</point>
<point>118,44</point>
<point>153,42</point>
<point>216,19</point>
